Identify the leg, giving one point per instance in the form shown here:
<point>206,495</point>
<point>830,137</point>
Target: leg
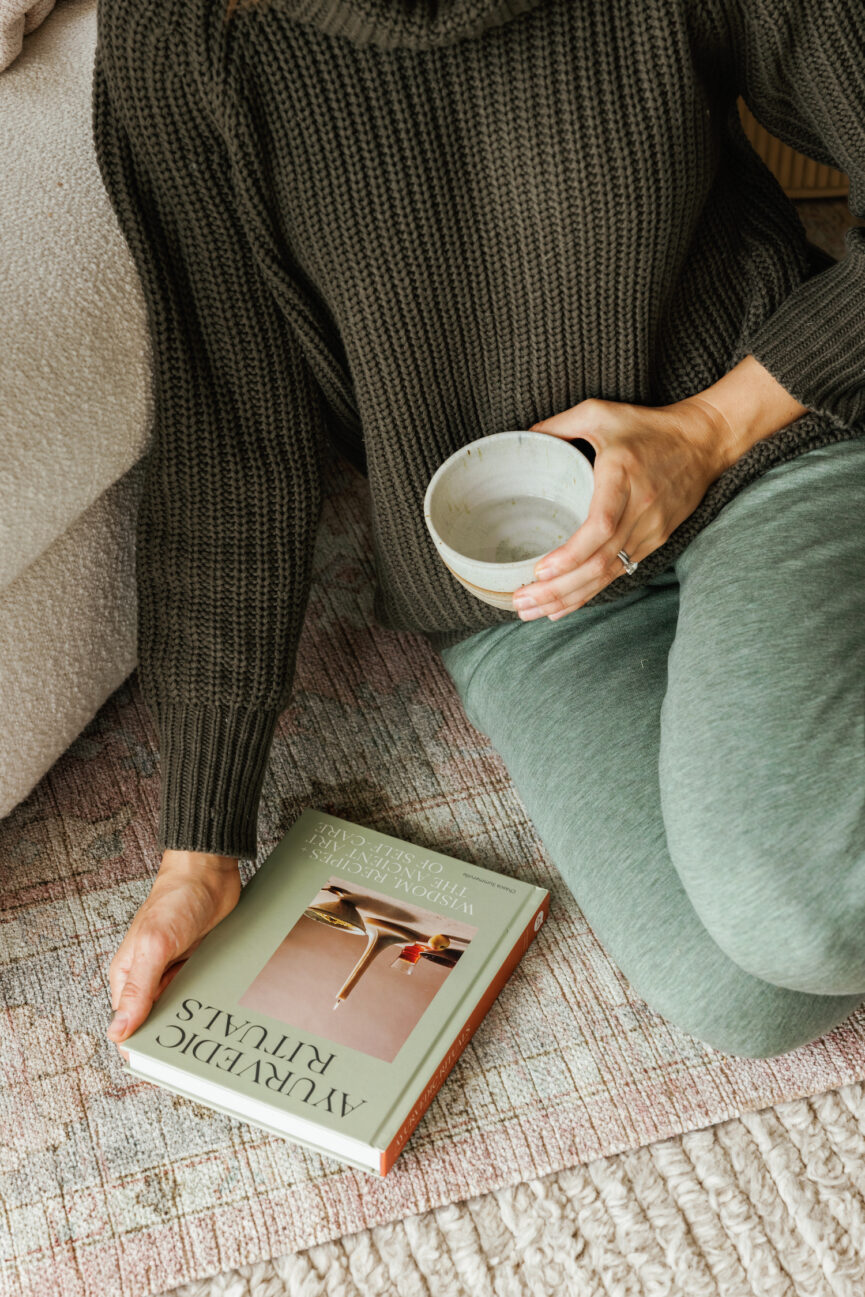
<point>573,708</point>
<point>762,762</point>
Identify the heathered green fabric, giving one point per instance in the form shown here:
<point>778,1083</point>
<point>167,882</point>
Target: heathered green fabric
<point>401,227</point>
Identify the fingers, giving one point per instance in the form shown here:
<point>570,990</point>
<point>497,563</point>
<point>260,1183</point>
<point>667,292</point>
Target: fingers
<point>610,495</point>
<point>150,955</point>
<point>588,557</point>
<point>613,569</point>
<point>638,539</point>
<point>648,477</point>
<point>638,544</point>
<point>119,970</point>
<point>189,896</point>
<point>604,568</point>
<point>589,420</point>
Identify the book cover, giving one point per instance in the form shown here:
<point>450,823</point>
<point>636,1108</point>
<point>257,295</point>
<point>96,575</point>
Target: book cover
<point>331,1003</point>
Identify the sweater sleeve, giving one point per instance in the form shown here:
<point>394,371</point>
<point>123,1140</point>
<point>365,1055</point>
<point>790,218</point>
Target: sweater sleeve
<point>232,491</point>
<point>801,70</point>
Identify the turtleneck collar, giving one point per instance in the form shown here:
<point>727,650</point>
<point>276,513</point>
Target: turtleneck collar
<point>394,24</point>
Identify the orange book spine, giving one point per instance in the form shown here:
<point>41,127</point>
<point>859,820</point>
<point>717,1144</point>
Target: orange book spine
<point>478,1013</point>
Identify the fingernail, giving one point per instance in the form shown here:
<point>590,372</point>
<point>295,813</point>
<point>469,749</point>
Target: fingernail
<point>543,572</point>
<point>524,601</point>
<point>118,1023</point>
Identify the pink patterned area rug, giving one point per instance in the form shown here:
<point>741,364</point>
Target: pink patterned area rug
<point>112,1186</point>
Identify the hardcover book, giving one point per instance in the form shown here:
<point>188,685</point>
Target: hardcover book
<point>331,1003</point>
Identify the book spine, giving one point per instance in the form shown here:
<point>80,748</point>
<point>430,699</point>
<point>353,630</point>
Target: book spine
<point>477,1015</point>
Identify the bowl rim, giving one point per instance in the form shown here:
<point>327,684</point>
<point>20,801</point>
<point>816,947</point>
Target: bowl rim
<point>460,453</point>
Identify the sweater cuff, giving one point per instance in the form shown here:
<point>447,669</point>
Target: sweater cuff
<point>814,343</point>
<point>212,760</point>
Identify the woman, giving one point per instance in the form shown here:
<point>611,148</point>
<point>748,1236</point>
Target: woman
<point>400,227</point>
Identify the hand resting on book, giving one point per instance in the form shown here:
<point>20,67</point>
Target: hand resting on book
<point>191,893</point>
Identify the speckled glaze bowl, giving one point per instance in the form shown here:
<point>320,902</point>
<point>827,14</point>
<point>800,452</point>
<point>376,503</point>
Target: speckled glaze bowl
<point>497,505</point>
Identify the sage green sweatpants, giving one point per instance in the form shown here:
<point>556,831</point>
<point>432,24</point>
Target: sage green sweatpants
<point>693,757</point>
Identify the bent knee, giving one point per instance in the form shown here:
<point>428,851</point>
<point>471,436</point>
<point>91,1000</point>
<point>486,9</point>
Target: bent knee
<point>759,1040</point>
<point>830,962</point>
<point>791,917</point>
<point>799,950</point>
<point>757,1021</point>
<point>767,1038</point>
<point>800,943</point>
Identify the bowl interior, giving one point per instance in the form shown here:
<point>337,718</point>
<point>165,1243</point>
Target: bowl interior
<point>511,497</point>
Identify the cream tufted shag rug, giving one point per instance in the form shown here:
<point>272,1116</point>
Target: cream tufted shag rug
<point>769,1203</point>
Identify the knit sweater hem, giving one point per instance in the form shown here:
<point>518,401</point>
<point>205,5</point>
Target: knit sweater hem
<point>213,761</point>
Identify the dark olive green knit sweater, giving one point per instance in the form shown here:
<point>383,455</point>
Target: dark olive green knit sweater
<point>398,227</point>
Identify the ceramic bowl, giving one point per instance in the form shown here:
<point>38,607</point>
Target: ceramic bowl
<point>498,504</point>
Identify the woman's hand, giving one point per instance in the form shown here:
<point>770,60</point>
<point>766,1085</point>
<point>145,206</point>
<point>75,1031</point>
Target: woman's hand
<point>653,465</point>
<point>191,893</point>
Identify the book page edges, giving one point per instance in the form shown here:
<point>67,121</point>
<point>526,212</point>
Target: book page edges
<point>337,1151</point>
<point>446,1062</point>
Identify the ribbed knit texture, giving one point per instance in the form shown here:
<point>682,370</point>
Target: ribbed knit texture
<point>403,227</point>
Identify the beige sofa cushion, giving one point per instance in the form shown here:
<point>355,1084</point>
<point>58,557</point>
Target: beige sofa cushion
<point>74,352</point>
